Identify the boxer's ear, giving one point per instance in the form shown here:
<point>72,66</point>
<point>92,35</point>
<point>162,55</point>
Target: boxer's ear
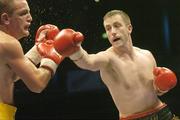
<point>130,28</point>
<point>5,19</point>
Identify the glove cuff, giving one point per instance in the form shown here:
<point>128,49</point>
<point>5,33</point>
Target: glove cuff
<point>33,55</point>
<point>159,91</point>
<point>49,65</point>
<point>77,55</point>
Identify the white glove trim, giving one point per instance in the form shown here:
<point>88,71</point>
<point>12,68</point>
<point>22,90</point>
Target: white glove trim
<point>49,64</point>
<point>33,55</point>
<point>77,55</point>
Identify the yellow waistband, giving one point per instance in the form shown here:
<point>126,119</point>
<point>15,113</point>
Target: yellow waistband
<point>7,112</point>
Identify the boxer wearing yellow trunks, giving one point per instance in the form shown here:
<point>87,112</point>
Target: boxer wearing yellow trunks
<point>7,112</point>
<point>15,19</point>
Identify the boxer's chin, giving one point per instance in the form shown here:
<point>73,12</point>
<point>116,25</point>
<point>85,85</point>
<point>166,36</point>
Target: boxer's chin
<point>118,43</point>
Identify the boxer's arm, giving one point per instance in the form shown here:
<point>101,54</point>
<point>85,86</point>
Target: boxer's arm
<point>93,62</point>
<point>153,65</point>
<point>36,79</point>
<point>68,43</point>
<point>33,55</point>
<point>164,78</point>
<point>44,33</point>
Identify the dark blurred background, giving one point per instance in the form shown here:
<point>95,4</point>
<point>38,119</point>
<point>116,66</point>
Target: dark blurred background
<point>74,93</point>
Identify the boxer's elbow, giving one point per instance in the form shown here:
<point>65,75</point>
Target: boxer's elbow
<point>36,87</point>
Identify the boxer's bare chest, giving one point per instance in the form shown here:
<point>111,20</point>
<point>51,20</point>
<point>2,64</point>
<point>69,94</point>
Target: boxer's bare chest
<point>128,70</point>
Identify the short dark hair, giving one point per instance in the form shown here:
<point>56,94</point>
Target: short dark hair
<point>124,15</point>
<point>6,6</point>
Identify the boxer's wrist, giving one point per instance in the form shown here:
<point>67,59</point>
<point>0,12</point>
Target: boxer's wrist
<point>77,55</point>
<point>33,55</point>
<point>49,64</point>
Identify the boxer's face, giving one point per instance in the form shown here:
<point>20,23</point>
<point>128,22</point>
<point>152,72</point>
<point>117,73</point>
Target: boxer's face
<point>20,19</point>
<point>116,30</point>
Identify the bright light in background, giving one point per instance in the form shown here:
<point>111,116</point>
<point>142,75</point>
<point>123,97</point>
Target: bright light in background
<point>96,0</point>
<point>104,35</point>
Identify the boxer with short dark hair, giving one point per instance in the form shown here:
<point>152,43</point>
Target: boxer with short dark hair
<point>130,73</point>
<point>15,19</point>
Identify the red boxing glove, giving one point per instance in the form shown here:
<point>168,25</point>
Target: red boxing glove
<point>46,49</point>
<point>51,59</point>
<point>46,32</point>
<point>66,41</point>
<point>165,79</point>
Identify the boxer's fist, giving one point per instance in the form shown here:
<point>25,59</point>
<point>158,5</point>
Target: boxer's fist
<point>46,32</point>
<point>51,59</point>
<point>44,42</point>
<point>67,41</point>
<point>165,79</point>
<point>46,49</point>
